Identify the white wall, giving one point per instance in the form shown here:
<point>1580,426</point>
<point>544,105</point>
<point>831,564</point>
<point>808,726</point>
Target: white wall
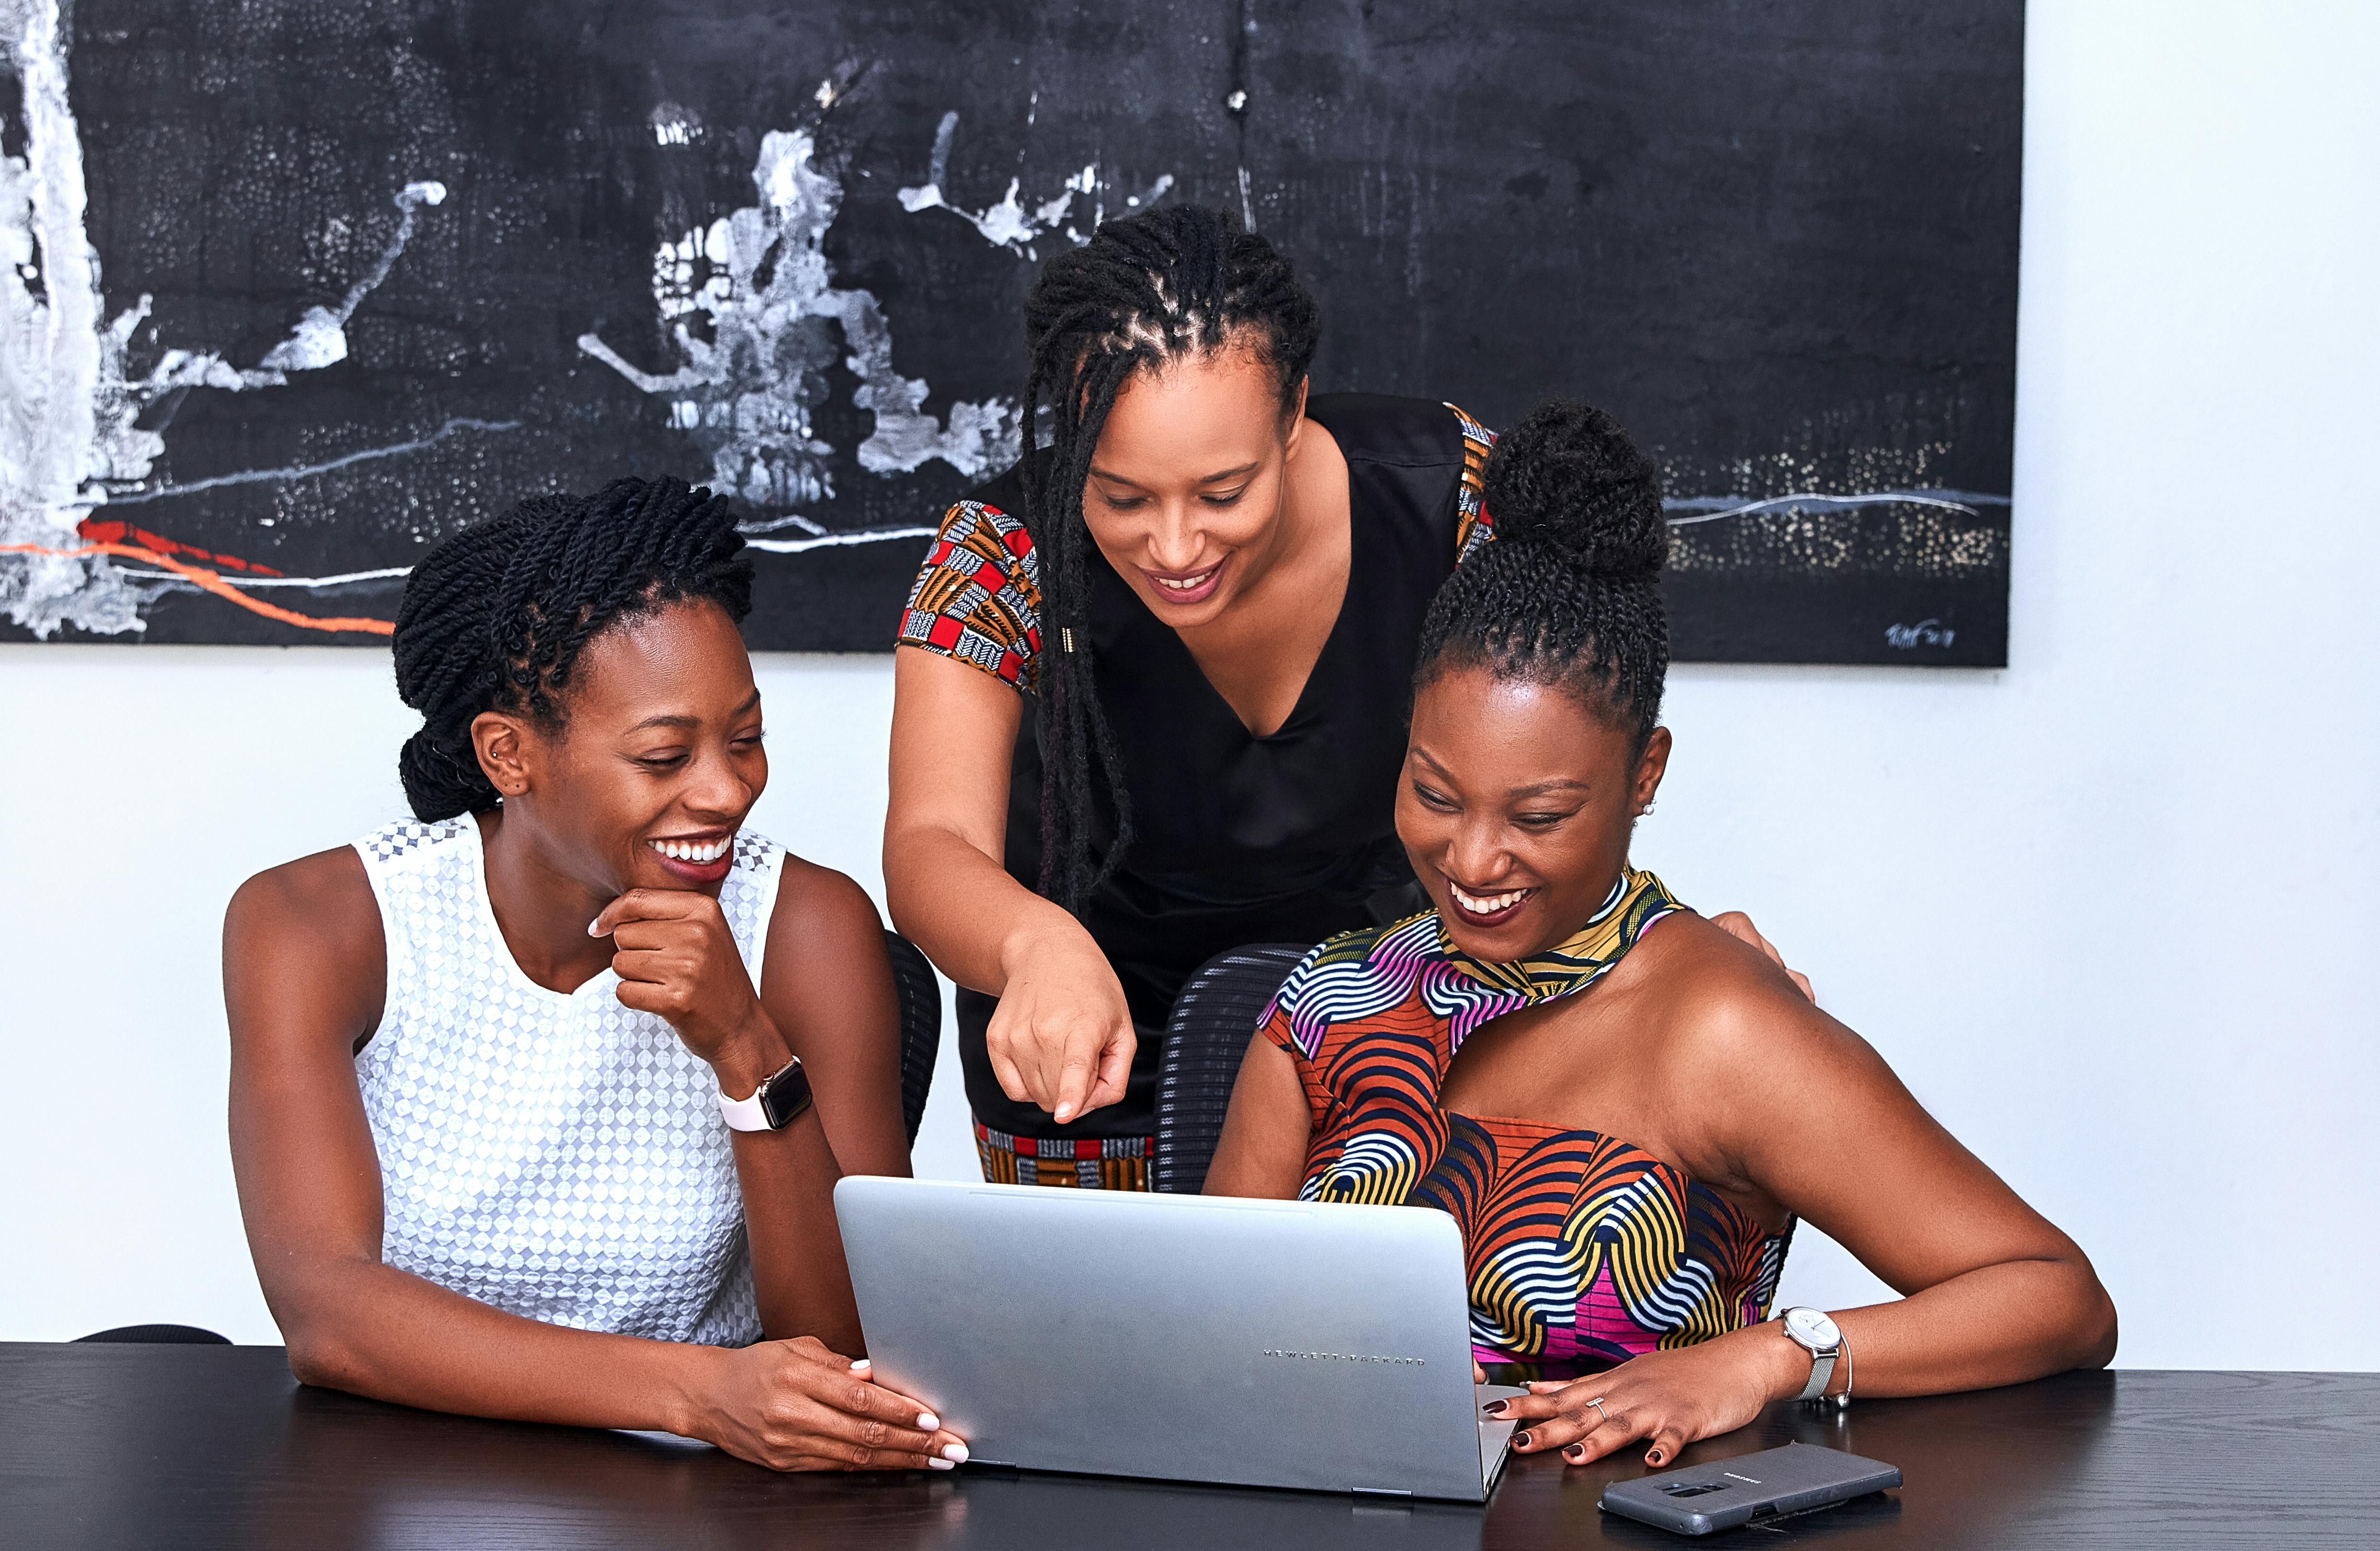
<point>2111,912</point>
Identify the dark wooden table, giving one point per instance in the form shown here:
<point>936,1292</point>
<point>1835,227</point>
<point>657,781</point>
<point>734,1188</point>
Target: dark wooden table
<point>198,1447</point>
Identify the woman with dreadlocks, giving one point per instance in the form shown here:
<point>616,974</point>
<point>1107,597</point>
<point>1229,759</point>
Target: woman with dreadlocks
<point>1625,1110</point>
<point>1206,587</point>
<point>521,1089</point>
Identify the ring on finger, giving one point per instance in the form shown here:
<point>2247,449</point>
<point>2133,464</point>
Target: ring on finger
<point>1597,1404</point>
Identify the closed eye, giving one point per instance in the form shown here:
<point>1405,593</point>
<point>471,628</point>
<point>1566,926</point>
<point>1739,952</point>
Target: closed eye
<point>1224,499</point>
<point>1433,799</point>
<point>1538,820</point>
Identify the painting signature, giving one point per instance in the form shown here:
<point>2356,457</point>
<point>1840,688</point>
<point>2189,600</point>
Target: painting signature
<point>1924,633</point>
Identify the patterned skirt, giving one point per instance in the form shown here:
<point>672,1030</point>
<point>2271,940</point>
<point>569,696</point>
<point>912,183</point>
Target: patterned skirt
<point>1089,1163</point>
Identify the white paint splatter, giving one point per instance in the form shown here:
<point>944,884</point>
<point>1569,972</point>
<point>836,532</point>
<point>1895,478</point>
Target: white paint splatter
<point>758,281</point>
<point>69,433</point>
<point>1009,223</point>
<point>321,336</point>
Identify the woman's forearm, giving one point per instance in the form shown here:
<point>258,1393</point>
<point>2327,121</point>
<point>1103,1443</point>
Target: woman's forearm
<point>371,1329</point>
<point>2002,1323</point>
<point>959,905</point>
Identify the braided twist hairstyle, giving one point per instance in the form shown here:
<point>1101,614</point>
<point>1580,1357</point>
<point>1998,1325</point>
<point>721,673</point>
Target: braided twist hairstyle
<point>496,617</point>
<point>1148,289</point>
<point>1570,592</point>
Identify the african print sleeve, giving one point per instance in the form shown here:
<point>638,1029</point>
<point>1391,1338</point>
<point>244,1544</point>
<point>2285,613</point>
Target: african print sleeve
<point>1472,525</point>
<point>1280,1025</point>
<point>978,597</point>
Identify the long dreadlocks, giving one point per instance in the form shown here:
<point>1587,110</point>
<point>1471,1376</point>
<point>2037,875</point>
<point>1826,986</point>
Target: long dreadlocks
<point>1147,290</point>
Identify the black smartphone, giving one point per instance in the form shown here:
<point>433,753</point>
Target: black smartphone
<point>1749,1488</point>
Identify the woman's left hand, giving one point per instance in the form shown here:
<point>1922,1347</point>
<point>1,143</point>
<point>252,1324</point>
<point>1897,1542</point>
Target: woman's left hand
<point>1670,1399</point>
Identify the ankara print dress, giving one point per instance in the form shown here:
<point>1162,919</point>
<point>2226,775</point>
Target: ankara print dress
<point>1286,838</point>
<point>1581,1250</point>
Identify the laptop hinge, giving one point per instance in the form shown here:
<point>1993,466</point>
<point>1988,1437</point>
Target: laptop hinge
<point>1388,1492</point>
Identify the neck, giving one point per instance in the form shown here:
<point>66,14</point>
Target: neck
<point>542,910</point>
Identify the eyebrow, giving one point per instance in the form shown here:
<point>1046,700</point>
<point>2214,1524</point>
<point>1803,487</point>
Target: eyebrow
<point>1538,789</point>
<point>1099,473</point>
<point>681,720</point>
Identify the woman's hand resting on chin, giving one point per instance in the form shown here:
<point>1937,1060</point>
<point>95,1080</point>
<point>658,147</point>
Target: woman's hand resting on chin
<point>1670,1399</point>
<point>795,1406</point>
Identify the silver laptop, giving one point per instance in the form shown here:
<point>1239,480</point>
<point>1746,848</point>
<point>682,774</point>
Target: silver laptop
<point>1263,1343</point>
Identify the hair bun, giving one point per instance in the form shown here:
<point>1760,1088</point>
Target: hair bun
<point>1567,477</point>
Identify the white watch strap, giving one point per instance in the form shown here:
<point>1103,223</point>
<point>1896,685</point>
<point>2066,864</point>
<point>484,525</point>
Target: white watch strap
<point>1822,1370</point>
<point>744,1114</point>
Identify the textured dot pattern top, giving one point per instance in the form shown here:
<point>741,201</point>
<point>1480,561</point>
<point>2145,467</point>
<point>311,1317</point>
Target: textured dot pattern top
<point>561,1157</point>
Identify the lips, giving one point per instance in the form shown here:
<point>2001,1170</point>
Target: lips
<point>1185,587</point>
<point>1488,909</point>
<point>697,859</point>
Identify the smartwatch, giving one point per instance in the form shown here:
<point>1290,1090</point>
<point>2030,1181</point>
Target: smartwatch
<point>779,1100</point>
<point>1815,1332</point>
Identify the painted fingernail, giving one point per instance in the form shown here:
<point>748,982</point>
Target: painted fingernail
<point>592,926</point>
<point>955,1453</point>
<point>1494,1407</point>
<point>940,1465</point>
<point>1577,1453</point>
<point>859,1363</point>
<point>1654,1457</point>
<point>1520,1440</point>
<point>928,1421</point>
<point>1065,1112</point>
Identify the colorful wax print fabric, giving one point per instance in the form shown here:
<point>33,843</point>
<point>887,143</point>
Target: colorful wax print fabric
<point>1581,1250</point>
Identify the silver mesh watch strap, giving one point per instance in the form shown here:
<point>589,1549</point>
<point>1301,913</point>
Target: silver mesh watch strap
<point>1822,1371</point>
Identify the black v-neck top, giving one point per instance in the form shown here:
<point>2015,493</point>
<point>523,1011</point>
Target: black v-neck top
<point>1286,838</point>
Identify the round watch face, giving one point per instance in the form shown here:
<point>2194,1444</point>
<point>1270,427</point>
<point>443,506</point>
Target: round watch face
<point>1812,1328</point>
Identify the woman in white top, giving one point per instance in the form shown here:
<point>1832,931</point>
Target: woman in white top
<point>522,1091</point>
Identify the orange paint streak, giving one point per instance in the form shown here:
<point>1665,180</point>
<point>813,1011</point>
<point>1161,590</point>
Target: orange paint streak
<point>200,576</point>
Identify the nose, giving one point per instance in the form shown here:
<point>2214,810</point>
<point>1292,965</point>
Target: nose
<point>1175,538</point>
<point>1475,857</point>
<point>717,791</point>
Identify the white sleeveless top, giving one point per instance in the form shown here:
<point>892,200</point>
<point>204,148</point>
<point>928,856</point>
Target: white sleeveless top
<point>561,1157</point>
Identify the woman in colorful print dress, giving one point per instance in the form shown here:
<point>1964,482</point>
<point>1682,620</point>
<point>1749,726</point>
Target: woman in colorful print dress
<point>1204,590</point>
<point>1627,1167</point>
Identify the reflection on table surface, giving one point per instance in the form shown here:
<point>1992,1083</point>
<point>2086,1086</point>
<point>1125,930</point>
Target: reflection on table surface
<point>195,1447</point>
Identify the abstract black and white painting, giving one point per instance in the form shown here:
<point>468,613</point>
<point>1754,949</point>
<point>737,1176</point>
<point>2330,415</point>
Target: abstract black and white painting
<point>290,289</point>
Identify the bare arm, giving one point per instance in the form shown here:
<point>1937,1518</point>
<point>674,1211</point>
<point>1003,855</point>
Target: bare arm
<point>1804,1113</point>
<point>1062,1036</point>
<point>304,974</point>
<point>827,995</point>
<point>1267,1130</point>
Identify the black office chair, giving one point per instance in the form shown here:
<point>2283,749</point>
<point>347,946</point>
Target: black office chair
<point>921,1025</point>
<point>1213,1020</point>
<point>156,1335</point>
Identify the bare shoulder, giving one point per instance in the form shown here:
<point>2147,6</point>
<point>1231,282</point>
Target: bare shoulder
<point>323,900</point>
<point>820,906</point>
<point>304,953</point>
<point>1729,1016</point>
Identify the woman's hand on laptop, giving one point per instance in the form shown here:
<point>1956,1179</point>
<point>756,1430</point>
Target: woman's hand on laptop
<point>1669,1398</point>
<point>795,1406</point>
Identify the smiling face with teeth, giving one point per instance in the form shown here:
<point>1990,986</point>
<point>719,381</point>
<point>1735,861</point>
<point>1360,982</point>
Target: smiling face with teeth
<point>1517,805</point>
<point>1185,494</point>
<point>657,760</point>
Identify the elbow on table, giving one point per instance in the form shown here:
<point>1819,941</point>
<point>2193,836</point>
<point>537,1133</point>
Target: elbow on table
<point>2088,1332</point>
<point>325,1356</point>
<point>2098,1332</point>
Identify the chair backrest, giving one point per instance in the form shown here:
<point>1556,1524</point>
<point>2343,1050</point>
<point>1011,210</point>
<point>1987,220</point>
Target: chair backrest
<point>921,1025</point>
<point>156,1335</point>
<point>1213,1020</point>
